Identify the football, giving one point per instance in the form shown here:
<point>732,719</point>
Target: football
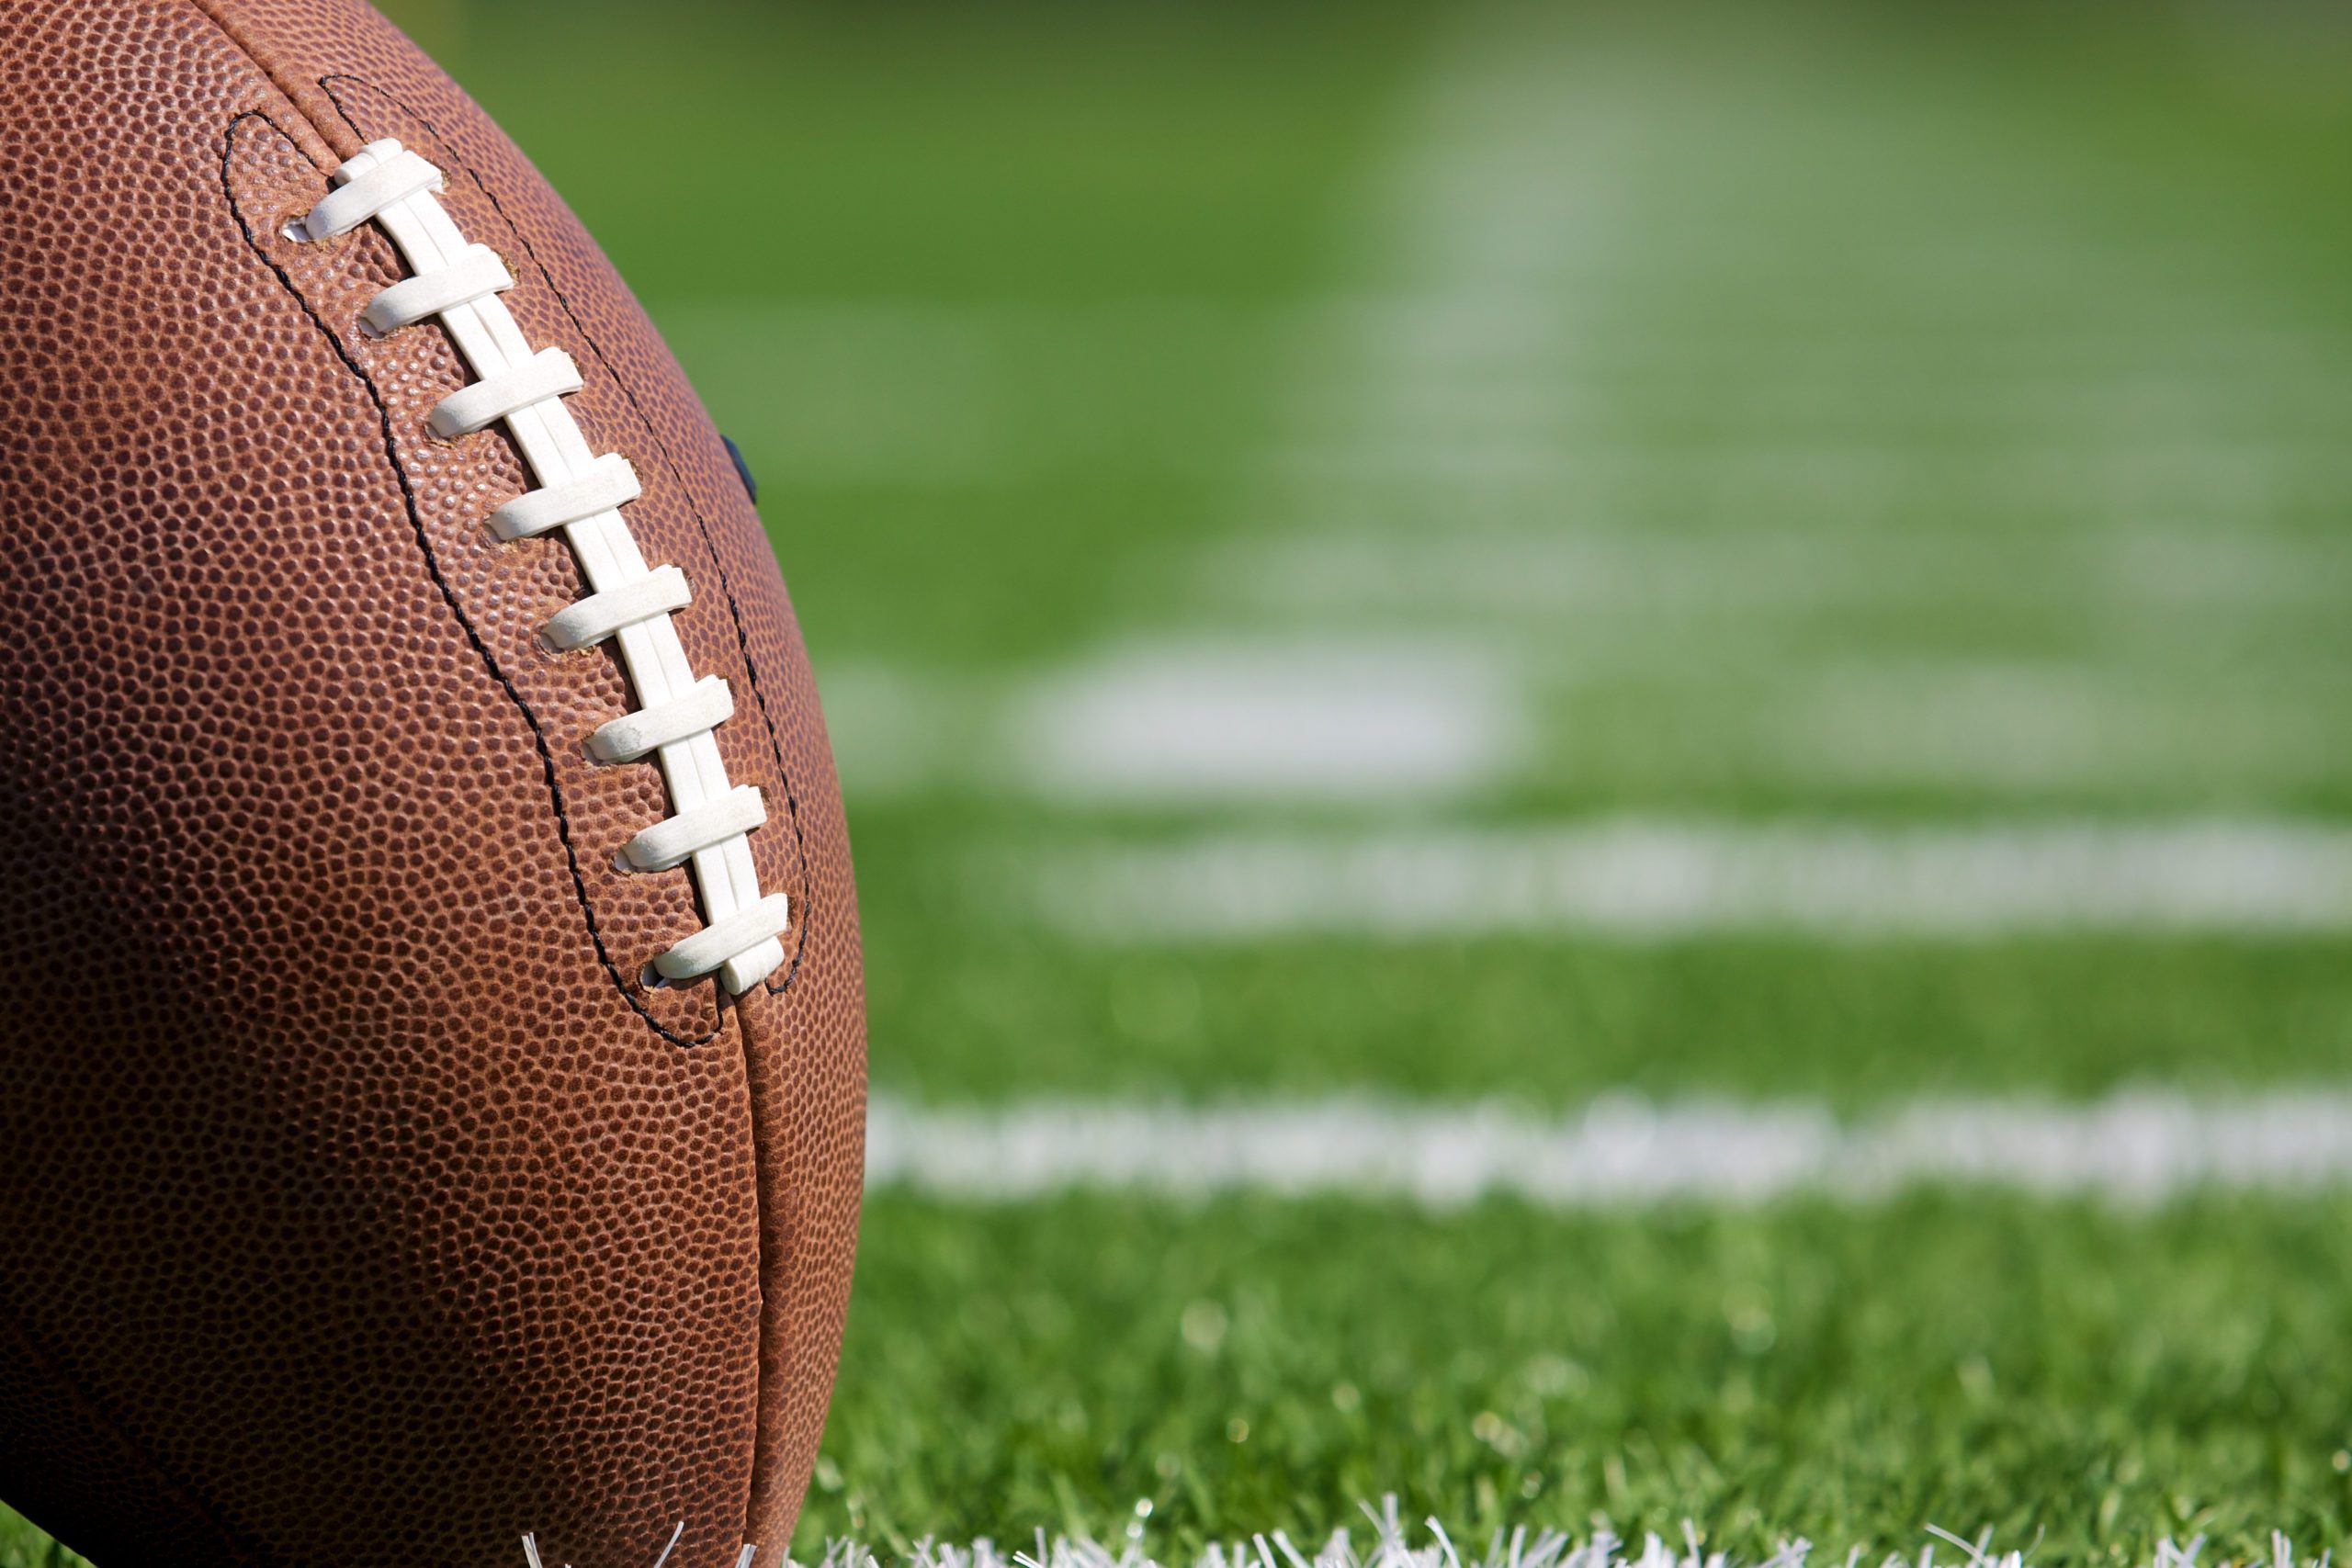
<point>433,1094</point>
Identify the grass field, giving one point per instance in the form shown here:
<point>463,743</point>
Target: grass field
<point>1789,558</point>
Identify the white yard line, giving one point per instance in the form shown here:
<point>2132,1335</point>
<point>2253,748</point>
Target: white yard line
<point>1193,723</point>
<point>2136,1148</point>
<point>1627,574</point>
<point>1357,721</point>
<point>1648,880</point>
<point>1273,720</point>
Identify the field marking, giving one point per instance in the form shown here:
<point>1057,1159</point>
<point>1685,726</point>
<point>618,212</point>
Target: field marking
<point>1781,569</point>
<point>1355,721</point>
<point>1242,722</point>
<point>1642,879</point>
<point>1269,720</point>
<point>2136,1148</point>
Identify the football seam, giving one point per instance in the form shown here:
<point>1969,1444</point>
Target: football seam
<point>465,165</point>
<point>530,717</point>
<point>449,593</point>
<point>669,459</point>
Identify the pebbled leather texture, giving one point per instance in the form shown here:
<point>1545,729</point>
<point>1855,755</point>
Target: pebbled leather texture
<point>359,1204</point>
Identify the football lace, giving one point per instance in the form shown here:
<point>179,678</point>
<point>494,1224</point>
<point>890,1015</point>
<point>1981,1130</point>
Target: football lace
<point>580,494</point>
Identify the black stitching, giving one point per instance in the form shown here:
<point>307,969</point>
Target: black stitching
<point>702,524</point>
<point>432,567</point>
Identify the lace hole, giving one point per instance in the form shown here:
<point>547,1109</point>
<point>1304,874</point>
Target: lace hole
<point>652,979</point>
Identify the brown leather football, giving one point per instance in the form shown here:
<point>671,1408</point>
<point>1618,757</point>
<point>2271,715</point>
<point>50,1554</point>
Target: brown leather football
<point>431,1102</point>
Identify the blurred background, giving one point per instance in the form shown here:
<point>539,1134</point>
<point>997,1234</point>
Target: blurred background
<point>1788,557</point>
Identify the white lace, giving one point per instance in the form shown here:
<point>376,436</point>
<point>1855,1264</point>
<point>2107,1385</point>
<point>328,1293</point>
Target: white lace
<point>580,492</point>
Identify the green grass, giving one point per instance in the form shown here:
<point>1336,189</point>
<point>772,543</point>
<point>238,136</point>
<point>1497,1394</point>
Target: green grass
<point>1553,1025</point>
<point>2094,1380</point>
<point>1049,150</point>
<point>22,1546</point>
<point>2017,274</point>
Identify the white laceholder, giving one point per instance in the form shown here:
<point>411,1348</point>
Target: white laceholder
<point>579,493</point>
